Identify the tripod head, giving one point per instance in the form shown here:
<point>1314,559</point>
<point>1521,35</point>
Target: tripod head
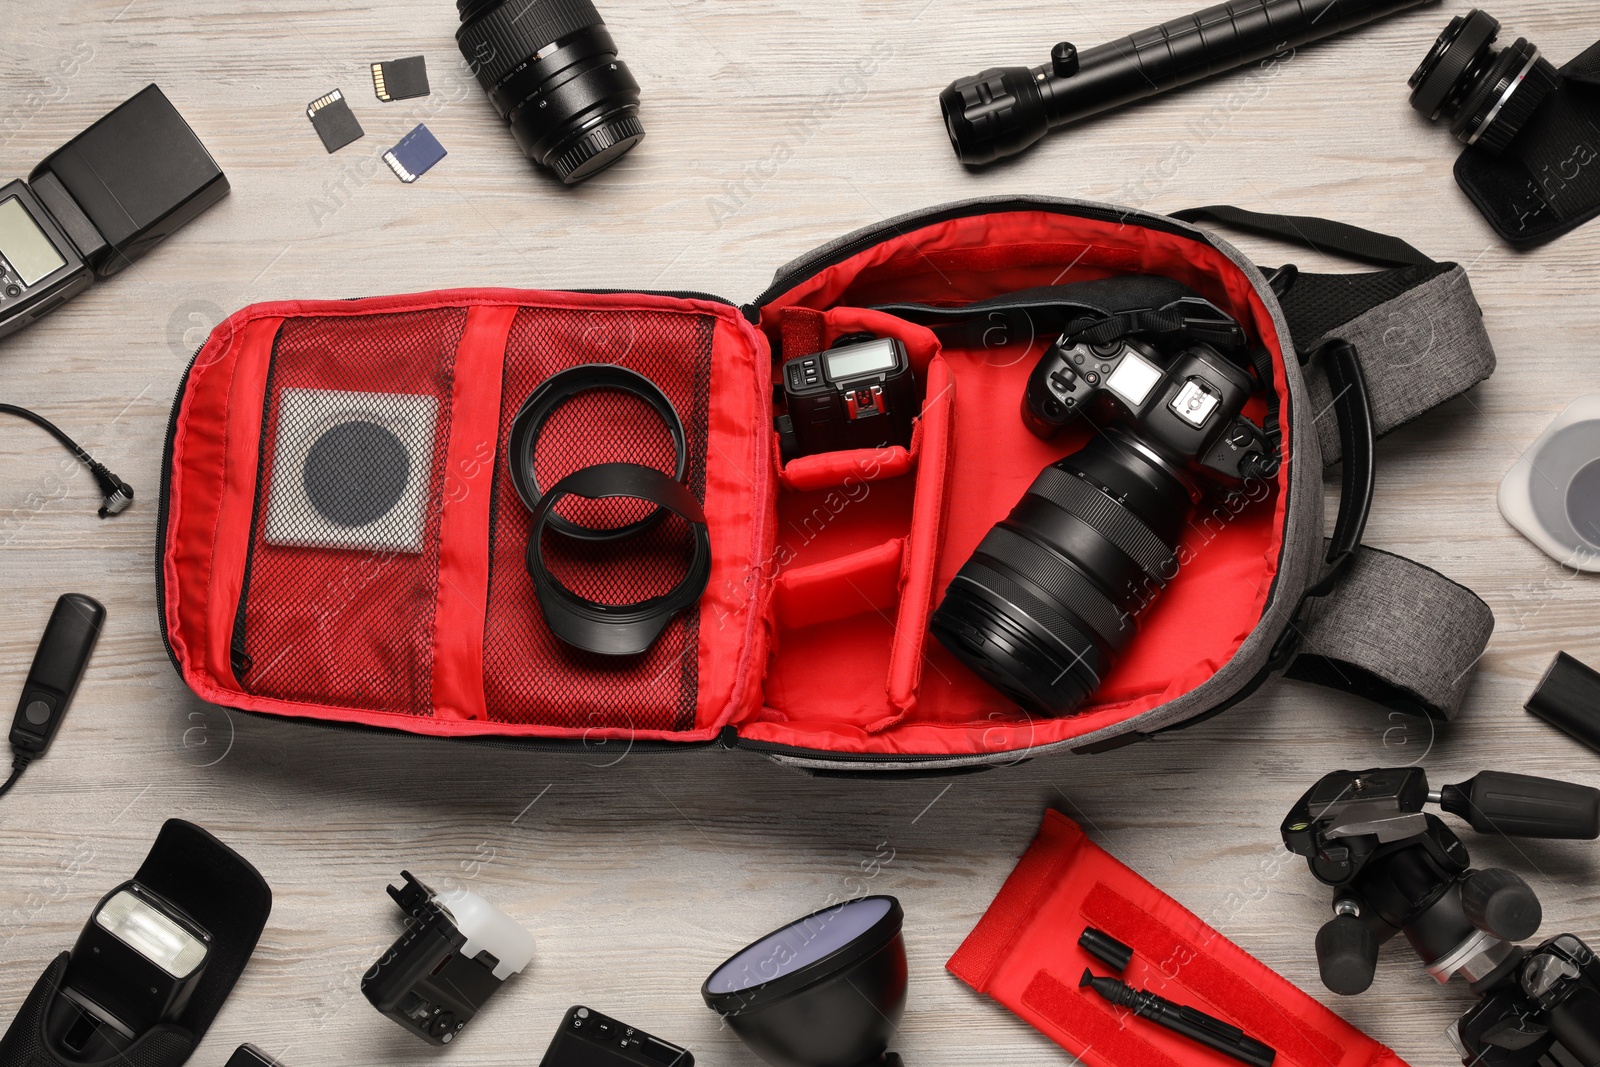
<point>1546,1011</point>
<point>1395,868</point>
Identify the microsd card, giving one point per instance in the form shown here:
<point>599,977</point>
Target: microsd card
<point>333,120</point>
<point>401,79</point>
<point>415,155</point>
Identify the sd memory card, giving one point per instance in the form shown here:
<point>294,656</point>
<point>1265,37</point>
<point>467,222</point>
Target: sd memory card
<point>400,79</point>
<point>333,120</point>
<point>416,153</point>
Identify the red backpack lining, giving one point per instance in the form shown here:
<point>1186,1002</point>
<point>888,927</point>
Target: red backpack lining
<point>824,688</point>
<point>820,643</point>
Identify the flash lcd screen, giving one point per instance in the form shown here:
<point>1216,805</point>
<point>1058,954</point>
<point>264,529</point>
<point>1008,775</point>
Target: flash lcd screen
<point>25,246</point>
<point>861,359</point>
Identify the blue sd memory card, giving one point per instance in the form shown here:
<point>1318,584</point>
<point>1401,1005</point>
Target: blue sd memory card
<point>415,155</point>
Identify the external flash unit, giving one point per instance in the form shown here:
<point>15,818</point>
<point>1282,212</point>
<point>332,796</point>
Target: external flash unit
<point>98,203</point>
<point>152,966</point>
<point>136,964</point>
<point>457,950</point>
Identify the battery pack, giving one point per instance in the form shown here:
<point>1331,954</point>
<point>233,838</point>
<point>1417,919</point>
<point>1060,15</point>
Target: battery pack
<point>1568,698</point>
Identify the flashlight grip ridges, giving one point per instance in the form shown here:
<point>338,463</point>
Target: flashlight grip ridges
<point>1516,805</point>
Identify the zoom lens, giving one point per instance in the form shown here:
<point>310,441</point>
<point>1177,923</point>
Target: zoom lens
<point>550,68</point>
<point>1048,600</point>
<point>1486,96</point>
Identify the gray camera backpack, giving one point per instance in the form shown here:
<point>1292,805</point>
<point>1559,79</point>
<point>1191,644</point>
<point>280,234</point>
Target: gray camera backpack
<point>812,643</point>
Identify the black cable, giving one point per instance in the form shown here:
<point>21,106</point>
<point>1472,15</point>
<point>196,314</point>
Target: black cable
<point>118,493</point>
<point>18,765</point>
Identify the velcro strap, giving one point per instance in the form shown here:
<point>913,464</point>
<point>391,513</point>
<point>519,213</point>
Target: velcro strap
<point>1418,349</point>
<point>1397,633</point>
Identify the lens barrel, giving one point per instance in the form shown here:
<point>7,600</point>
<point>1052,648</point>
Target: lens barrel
<point>1002,111</point>
<point>550,68</point>
<point>1050,597</point>
<point>1487,96</point>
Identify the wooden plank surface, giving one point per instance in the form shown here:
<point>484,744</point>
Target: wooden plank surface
<point>774,126</point>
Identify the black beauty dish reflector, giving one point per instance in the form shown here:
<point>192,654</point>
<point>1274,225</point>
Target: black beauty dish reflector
<point>825,991</point>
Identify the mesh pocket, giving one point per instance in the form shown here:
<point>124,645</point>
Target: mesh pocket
<point>342,581</point>
<point>530,676</point>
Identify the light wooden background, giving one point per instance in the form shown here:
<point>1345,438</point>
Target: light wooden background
<point>639,877</point>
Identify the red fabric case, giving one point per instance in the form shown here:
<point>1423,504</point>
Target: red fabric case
<point>813,633</point>
<point>1024,953</point>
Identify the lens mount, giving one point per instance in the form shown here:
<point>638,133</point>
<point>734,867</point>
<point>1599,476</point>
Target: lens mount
<point>1505,97</point>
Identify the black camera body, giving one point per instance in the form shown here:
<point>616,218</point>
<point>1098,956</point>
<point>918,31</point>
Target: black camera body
<point>456,952</point>
<point>1188,409</point>
<point>861,393</point>
<point>1545,1013</point>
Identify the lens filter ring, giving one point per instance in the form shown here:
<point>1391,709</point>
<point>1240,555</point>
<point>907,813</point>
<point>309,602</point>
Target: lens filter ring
<point>623,629</point>
<point>557,390</point>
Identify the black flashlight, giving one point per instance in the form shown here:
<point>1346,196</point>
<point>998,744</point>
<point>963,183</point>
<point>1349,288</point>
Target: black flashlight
<point>1005,110</point>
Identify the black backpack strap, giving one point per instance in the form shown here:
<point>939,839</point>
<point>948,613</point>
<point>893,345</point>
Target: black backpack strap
<point>1319,235</point>
<point>1416,325</point>
<point>1395,632</point>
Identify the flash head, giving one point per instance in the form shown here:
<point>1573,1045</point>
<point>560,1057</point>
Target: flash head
<point>98,203</point>
<point>137,963</point>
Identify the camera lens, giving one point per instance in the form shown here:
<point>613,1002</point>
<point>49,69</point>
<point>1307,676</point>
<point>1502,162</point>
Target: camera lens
<point>550,68</point>
<point>1487,96</point>
<point>1049,599</point>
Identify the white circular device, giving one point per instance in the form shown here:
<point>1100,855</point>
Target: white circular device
<point>1552,495</point>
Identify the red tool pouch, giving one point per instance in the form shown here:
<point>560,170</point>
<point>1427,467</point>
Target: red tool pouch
<point>810,644</point>
<point>1025,954</point>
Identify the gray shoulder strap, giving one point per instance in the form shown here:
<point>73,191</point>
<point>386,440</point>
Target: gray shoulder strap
<point>1395,632</point>
<point>1419,333</point>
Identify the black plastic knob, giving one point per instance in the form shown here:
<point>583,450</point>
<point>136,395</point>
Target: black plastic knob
<point>1347,955</point>
<point>1501,904</point>
<point>1064,62</point>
